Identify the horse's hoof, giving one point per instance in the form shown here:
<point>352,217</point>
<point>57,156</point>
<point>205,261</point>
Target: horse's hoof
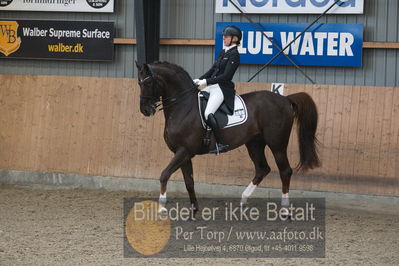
<point>162,210</point>
<point>286,218</point>
<point>285,214</point>
<point>190,219</point>
<point>243,207</point>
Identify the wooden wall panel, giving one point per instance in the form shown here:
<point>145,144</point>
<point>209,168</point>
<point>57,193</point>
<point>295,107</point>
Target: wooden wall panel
<point>93,126</point>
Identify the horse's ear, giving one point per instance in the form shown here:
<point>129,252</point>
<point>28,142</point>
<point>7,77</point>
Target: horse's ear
<point>146,68</point>
<point>138,65</point>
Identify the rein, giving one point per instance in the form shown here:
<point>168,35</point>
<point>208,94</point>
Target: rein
<point>174,100</point>
<point>159,102</point>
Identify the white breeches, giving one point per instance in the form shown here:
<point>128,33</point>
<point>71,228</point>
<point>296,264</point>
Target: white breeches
<point>215,99</point>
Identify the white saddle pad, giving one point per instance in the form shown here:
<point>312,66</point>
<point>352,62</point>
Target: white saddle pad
<point>239,116</point>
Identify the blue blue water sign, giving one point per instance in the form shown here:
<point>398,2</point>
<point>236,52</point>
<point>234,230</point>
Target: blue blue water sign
<point>322,45</point>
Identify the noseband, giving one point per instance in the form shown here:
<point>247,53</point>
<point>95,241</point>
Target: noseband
<point>157,100</point>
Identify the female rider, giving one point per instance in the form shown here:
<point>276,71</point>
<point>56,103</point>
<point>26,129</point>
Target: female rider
<point>219,83</point>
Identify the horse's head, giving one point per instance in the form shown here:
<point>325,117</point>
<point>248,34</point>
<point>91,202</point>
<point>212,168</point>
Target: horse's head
<point>161,80</point>
<point>149,89</point>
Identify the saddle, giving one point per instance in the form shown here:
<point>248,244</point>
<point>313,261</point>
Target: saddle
<point>223,115</point>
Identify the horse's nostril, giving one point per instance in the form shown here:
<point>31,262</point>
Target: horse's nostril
<point>144,112</point>
<point>149,112</point>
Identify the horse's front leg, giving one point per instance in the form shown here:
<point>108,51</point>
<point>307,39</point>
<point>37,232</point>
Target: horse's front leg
<point>181,157</point>
<point>187,170</point>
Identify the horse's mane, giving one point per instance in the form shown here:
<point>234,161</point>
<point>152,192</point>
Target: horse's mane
<point>176,68</point>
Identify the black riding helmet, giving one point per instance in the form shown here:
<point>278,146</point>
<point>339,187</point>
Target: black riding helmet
<point>233,31</point>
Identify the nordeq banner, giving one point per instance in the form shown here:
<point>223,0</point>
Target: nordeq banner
<point>58,5</point>
<point>290,6</point>
<point>67,40</point>
<point>321,45</point>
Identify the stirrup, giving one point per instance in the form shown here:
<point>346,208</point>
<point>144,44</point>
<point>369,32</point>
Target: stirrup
<point>220,148</point>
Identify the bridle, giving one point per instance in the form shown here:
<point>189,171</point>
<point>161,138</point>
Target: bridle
<point>159,101</point>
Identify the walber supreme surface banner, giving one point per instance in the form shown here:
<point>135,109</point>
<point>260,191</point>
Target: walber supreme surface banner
<point>64,40</point>
<point>98,6</point>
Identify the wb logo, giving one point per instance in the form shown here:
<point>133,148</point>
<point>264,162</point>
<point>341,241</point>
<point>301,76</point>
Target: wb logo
<point>9,41</point>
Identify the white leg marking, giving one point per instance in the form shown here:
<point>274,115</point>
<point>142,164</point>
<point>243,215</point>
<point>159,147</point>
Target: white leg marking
<point>247,193</point>
<point>162,203</point>
<point>285,201</point>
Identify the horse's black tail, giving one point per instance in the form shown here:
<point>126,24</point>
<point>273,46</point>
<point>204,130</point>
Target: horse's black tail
<point>306,117</point>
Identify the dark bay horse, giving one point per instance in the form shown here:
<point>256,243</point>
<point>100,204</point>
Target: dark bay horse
<point>270,120</point>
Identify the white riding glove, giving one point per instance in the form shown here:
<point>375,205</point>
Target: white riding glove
<point>196,81</point>
<point>202,82</point>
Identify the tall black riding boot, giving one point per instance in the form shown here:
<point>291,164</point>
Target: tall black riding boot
<point>220,147</point>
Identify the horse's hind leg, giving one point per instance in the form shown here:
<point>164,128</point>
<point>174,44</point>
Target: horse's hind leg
<point>256,150</point>
<point>187,170</point>
<point>285,170</point>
